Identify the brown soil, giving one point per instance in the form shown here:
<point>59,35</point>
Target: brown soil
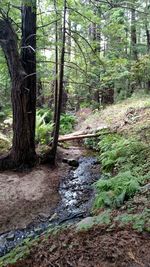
<point>97,247</point>
<point>23,196</point>
<point>26,197</point>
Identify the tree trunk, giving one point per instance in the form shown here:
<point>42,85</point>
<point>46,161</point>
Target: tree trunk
<point>59,104</point>
<point>22,152</point>
<point>134,53</point>
<point>56,66</point>
<point>28,58</point>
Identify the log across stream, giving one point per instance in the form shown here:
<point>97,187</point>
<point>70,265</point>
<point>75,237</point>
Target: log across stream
<point>76,193</point>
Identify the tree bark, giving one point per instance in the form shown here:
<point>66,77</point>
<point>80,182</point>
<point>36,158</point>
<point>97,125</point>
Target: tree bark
<point>60,94</point>
<point>22,152</point>
<point>56,65</point>
<point>134,53</point>
<point>28,58</point>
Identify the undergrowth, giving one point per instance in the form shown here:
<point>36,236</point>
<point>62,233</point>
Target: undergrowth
<point>125,167</point>
<point>23,250</point>
<point>44,125</point>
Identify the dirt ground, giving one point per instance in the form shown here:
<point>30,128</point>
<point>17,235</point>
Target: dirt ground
<point>24,197</point>
<point>98,247</point>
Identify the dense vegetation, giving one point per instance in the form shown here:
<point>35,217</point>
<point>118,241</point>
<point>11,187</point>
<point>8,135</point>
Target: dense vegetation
<point>79,55</point>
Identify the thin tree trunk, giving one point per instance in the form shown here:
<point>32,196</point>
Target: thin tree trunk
<point>59,104</point>
<point>56,66</point>
<point>134,53</point>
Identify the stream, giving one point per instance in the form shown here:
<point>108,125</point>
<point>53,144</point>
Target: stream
<point>76,194</point>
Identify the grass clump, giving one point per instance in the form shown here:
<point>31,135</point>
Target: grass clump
<point>126,168</point>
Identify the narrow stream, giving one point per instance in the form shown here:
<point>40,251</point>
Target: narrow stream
<point>76,194</point>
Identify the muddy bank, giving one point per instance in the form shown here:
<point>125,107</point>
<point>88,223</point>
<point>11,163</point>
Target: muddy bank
<point>27,196</point>
<point>24,196</point>
<point>68,203</point>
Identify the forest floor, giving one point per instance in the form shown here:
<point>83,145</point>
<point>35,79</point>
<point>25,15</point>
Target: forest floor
<point>108,244</point>
<point>32,194</point>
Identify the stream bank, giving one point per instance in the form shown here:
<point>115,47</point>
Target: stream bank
<point>76,195</point>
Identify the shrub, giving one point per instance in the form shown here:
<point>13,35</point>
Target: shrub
<point>119,152</point>
<point>47,113</point>
<point>43,129</point>
<point>114,191</point>
<point>128,157</point>
<point>67,122</point>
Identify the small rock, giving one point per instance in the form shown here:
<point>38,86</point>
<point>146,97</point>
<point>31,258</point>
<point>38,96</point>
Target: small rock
<point>97,162</point>
<point>85,223</point>
<point>65,160</point>
<point>53,217</point>
<point>38,230</point>
<point>10,237</point>
<point>73,162</point>
<point>145,188</point>
<point>8,121</point>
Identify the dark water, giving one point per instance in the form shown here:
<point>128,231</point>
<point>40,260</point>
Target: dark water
<point>76,200</point>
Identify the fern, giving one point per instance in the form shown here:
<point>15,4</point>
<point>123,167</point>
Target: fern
<point>114,191</point>
<point>43,130</point>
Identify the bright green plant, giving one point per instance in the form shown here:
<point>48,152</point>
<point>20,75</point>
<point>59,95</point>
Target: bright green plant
<point>126,157</point>
<point>47,113</point>
<point>67,122</point>
<point>114,191</point>
<point>43,129</point>
<point>119,152</point>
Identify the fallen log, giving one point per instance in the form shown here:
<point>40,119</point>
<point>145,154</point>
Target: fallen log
<point>75,137</point>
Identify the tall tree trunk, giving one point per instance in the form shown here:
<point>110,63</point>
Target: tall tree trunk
<point>22,152</point>
<point>23,78</point>
<point>28,58</point>
<point>56,65</point>
<point>147,38</point>
<point>61,78</point>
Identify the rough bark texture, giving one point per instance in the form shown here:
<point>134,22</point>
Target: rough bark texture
<point>22,152</point>
<point>28,58</point>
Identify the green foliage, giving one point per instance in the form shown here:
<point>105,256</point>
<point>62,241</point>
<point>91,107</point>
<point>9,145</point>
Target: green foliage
<point>43,127</point>
<point>139,221</point>
<point>114,191</point>
<point>104,218</point>
<point>23,250</point>
<point>67,122</point>
<point>18,253</point>
<point>121,153</point>
<point>2,115</point>
<point>140,69</point>
<point>127,157</point>
<point>92,143</point>
<point>4,144</point>
<point>47,113</point>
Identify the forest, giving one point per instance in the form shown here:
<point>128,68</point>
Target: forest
<point>74,133</point>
